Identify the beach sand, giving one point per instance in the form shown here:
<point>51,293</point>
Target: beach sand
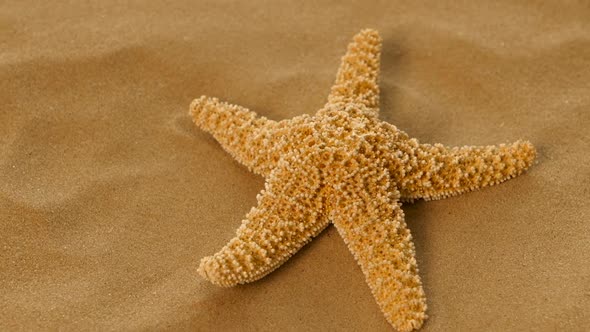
<point>109,195</point>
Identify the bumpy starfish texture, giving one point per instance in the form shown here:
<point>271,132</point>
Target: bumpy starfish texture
<point>344,166</point>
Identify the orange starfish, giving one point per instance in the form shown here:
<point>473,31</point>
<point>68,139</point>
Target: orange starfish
<point>343,165</point>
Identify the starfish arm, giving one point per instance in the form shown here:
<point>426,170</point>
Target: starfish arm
<point>288,215</point>
<point>246,136</point>
<point>371,222</point>
<point>357,80</point>
<point>436,172</point>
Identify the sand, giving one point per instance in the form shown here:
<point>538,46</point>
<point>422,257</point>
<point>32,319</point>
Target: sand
<point>109,195</point>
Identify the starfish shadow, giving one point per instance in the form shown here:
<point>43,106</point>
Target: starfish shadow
<point>395,96</point>
<point>390,68</point>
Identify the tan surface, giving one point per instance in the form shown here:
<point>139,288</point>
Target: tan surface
<point>109,195</point>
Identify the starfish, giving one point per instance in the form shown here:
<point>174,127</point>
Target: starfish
<point>346,167</point>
